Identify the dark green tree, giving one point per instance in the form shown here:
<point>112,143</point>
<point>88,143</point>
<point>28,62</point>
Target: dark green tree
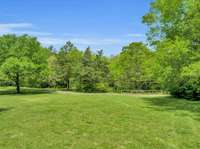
<point>87,76</point>
<point>67,59</point>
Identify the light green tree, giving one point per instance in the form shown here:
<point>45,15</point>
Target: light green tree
<point>23,58</point>
<point>17,69</point>
<point>129,68</point>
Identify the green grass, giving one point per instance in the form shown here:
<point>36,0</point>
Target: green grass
<point>98,121</point>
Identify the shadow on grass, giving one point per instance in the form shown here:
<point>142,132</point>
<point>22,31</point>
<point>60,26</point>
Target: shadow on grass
<point>172,104</point>
<point>4,109</point>
<point>26,91</point>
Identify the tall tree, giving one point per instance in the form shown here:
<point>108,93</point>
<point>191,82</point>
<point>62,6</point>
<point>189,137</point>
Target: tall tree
<point>129,67</point>
<point>65,63</point>
<point>175,33</point>
<point>24,59</point>
<point>87,74</point>
<point>101,65</point>
<point>168,19</point>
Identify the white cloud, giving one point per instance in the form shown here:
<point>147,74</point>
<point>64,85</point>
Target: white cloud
<point>21,28</point>
<point>12,27</point>
<point>33,33</point>
<point>16,25</point>
<point>98,41</point>
<point>135,35</point>
<point>82,41</point>
<point>51,41</point>
<point>46,38</point>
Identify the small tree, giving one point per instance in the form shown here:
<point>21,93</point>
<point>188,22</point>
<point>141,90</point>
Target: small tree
<point>22,58</point>
<point>17,69</point>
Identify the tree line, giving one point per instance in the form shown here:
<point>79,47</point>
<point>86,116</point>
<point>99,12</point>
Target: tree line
<point>170,62</point>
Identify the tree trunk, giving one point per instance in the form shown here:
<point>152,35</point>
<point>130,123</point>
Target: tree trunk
<point>68,84</point>
<point>17,83</point>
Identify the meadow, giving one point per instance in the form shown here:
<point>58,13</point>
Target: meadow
<point>67,120</point>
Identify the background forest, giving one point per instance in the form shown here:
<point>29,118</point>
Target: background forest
<point>169,62</point>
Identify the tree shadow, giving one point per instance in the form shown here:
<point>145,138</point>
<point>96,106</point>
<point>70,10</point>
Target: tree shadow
<point>172,104</point>
<point>26,91</point>
<point>5,109</point>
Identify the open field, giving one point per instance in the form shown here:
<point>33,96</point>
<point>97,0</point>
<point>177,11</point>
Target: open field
<point>59,120</point>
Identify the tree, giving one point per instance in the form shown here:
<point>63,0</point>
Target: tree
<point>171,57</point>
<point>87,76</point>
<point>174,32</point>
<point>24,58</point>
<point>190,81</point>
<point>16,69</point>
<point>53,71</point>
<point>168,19</point>
<point>102,72</point>
<point>68,59</point>
<point>128,68</point>
<point>87,57</point>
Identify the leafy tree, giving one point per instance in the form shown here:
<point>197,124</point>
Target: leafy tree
<point>174,32</point>
<point>87,58</point>
<point>74,57</point>
<point>128,68</point>
<point>16,69</point>
<point>168,19</point>
<point>53,71</point>
<point>102,71</point>
<point>87,75</point>
<point>171,57</point>
<point>69,59</point>
<point>190,81</point>
<point>24,58</point>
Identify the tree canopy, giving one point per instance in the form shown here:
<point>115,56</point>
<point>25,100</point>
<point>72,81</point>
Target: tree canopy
<point>22,59</point>
<point>168,62</point>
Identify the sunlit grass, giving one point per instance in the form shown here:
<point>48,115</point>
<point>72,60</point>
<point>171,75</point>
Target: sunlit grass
<point>83,121</point>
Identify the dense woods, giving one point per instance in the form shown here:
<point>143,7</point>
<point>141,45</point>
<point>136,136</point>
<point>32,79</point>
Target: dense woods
<point>169,62</point>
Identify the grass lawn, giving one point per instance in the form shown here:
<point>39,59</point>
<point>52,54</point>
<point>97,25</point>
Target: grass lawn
<point>98,121</point>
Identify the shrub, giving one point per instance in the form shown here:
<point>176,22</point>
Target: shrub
<point>190,82</point>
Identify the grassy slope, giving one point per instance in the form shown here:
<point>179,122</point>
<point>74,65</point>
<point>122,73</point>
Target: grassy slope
<point>82,121</point>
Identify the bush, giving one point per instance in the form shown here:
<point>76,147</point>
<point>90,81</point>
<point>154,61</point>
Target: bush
<point>103,87</point>
<point>190,81</point>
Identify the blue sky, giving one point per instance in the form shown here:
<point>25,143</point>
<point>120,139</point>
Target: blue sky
<point>100,24</point>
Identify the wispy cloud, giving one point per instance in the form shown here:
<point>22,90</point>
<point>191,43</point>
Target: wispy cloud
<point>46,38</point>
<point>21,28</point>
<point>33,33</point>
<point>11,27</point>
<point>82,41</point>
<point>97,41</point>
<point>16,25</point>
<point>135,35</point>
<point>52,41</point>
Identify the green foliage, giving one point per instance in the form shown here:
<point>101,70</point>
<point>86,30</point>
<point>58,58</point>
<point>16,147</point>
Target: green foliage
<point>190,81</point>
<point>23,57</point>
<point>129,68</point>
<point>171,18</point>
<point>170,64</point>
<point>88,79</point>
<point>13,66</point>
<point>17,69</point>
<point>171,56</point>
<point>87,75</point>
<point>67,63</point>
<point>174,32</point>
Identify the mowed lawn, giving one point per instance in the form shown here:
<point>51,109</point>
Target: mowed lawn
<point>98,121</point>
